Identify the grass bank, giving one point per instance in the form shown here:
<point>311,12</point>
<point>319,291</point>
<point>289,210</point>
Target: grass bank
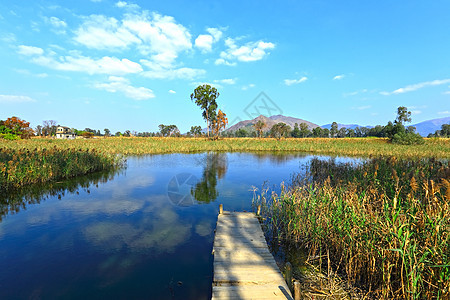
<point>346,147</point>
<point>384,223</point>
<point>21,165</point>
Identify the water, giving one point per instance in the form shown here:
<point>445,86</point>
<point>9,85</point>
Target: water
<point>145,232</point>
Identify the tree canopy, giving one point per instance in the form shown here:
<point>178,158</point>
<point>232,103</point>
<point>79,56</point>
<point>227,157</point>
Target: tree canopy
<point>205,97</point>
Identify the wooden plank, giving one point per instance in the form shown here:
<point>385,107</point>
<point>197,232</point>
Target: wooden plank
<point>244,268</point>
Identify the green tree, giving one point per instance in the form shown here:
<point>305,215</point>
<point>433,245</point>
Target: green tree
<point>342,132</point>
<point>334,129</point>
<point>205,96</point>
<point>107,132</point>
<point>398,134</point>
<point>296,131</point>
<point>196,131</point>
<point>168,130</point>
<point>280,130</point>
<point>403,115</point>
<point>259,126</point>
<point>304,130</point>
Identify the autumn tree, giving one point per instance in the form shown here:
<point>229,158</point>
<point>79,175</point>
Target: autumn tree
<point>205,96</point>
<point>16,126</point>
<point>259,126</point>
<point>49,127</point>
<point>219,123</point>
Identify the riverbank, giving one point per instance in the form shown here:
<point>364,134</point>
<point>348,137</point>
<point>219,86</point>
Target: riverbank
<point>383,225</point>
<point>435,147</point>
<point>20,166</point>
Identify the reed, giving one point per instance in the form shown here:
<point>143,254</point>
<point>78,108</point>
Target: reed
<point>366,147</point>
<point>383,223</point>
<point>23,166</point>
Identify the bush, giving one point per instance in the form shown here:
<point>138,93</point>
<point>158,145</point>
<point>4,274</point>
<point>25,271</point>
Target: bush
<point>407,138</point>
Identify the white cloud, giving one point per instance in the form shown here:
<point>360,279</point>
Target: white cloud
<point>221,61</point>
<point>55,22</point>
<point>165,70</point>
<point>204,42</point>
<point>29,50</point>
<point>120,84</point>
<point>446,112</point>
<point>251,51</point>
<point>249,86</point>
<point>416,112</point>
<point>28,73</point>
<point>338,77</point>
<point>295,81</point>
<point>105,65</point>
<point>121,4</point>
<point>229,81</point>
<point>172,92</point>
<point>356,93</point>
<point>15,99</point>
<point>364,107</point>
<point>446,93</point>
<point>414,87</point>
<point>103,33</point>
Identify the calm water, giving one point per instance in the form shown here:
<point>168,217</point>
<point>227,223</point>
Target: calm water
<point>145,232</point>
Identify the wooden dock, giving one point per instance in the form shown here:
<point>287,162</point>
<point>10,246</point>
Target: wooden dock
<point>243,266</point>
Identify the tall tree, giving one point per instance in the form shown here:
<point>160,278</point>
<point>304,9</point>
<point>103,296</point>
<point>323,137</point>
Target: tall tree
<point>334,129</point>
<point>219,123</point>
<point>403,115</point>
<point>107,132</point>
<point>259,126</point>
<point>196,131</point>
<point>205,96</point>
<point>304,130</point>
<point>49,127</point>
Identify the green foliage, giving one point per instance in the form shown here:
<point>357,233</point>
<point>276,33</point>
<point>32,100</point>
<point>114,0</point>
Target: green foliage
<point>205,97</point>
<point>19,167</point>
<point>398,134</point>
<point>168,130</point>
<point>280,130</point>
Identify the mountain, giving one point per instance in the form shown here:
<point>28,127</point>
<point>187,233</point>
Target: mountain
<point>430,126</point>
<point>270,121</point>
<point>348,126</point>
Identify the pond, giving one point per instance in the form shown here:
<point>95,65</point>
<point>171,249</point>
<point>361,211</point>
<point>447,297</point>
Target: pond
<point>144,232</point>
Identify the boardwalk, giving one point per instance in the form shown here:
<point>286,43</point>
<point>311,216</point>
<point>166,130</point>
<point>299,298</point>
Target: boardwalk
<point>243,266</point>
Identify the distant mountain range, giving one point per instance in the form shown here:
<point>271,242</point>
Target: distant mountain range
<point>348,126</point>
<point>270,121</point>
<point>423,128</point>
<point>426,127</point>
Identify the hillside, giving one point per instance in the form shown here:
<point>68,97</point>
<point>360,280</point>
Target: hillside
<point>270,121</point>
<point>426,127</point>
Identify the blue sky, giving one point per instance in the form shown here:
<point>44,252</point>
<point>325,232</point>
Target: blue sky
<point>133,65</point>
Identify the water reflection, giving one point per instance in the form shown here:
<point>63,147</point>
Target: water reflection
<point>17,200</point>
<point>216,165</point>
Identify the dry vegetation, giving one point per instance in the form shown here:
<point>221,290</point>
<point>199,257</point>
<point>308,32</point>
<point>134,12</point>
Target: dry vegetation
<point>384,224</point>
<point>347,147</point>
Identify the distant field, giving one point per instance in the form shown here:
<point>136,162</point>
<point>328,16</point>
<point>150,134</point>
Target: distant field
<point>439,148</point>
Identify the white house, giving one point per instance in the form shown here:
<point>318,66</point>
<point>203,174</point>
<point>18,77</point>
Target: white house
<point>63,132</point>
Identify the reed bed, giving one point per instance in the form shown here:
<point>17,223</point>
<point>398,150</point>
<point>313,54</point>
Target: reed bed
<point>23,166</point>
<point>384,223</point>
<point>139,146</point>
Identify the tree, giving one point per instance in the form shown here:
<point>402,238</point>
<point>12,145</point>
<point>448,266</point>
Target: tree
<point>107,132</point>
<point>398,134</point>
<point>334,129</point>
<point>304,130</point>
<point>280,130</point>
<point>16,126</point>
<point>49,127</point>
<point>196,131</point>
<point>341,132</point>
<point>351,133</point>
<point>38,130</point>
<point>296,131</point>
<point>403,115</point>
<point>219,123</point>
<point>205,96</point>
<point>259,126</point>
<point>168,130</point>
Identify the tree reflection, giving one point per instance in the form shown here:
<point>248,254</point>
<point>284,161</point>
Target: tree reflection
<point>17,200</point>
<point>216,166</point>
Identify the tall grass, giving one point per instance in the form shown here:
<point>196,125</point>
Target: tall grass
<point>348,146</point>
<point>19,167</point>
<point>384,223</point>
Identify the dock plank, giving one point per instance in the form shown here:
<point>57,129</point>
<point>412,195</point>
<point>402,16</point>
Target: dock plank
<point>244,268</point>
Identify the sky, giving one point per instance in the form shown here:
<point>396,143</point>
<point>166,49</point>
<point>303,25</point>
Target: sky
<point>133,65</point>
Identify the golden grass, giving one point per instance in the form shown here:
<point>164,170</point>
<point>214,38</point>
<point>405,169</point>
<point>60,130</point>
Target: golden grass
<point>439,148</point>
